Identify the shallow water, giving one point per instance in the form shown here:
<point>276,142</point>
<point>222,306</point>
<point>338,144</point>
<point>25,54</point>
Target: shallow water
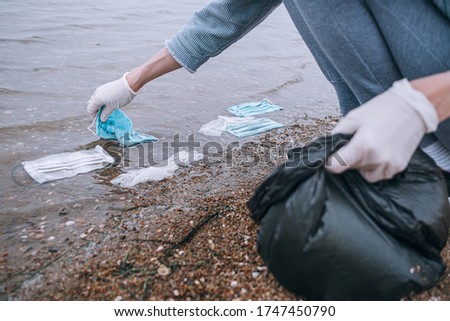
<point>55,53</point>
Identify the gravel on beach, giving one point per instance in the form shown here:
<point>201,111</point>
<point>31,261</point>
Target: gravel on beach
<point>189,237</point>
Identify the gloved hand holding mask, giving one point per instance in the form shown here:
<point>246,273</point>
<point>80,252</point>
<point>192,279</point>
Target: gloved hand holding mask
<point>112,95</point>
<point>387,130</point>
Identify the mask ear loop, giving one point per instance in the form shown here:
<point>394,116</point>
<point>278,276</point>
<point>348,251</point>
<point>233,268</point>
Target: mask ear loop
<point>267,100</point>
<point>15,170</point>
<point>92,126</point>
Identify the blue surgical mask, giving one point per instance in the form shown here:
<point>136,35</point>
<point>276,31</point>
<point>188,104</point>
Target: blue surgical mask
<point>253,127</point>
<point>256,108</point>
<point>119,126</point>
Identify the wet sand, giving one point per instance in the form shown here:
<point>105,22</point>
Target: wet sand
<point>189,237</point>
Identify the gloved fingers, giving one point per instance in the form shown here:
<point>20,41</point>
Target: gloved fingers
<point>347,157</point>
<point>345,126</point>
<point>106,112</point>
<point>386,169</point>
<point>92,109</point>
<point>94,104</point>
<point>377,174</point>
<point>340,162</point>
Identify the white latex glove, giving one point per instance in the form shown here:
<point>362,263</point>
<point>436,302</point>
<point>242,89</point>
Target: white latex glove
<point>387,130</point>
<point>113,95</point>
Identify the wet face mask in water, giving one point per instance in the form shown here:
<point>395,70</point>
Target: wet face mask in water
<point>119,126</point>
<point>253,127</point>
<point>64,165</point>
<point>256,108</point>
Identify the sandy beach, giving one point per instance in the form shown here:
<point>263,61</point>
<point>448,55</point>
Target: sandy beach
<point>189,237</point>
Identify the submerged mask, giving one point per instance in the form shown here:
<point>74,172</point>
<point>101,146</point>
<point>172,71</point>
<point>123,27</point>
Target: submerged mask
<point>64,165</point>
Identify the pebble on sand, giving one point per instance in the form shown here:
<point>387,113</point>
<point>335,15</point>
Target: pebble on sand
<point>163,270</point>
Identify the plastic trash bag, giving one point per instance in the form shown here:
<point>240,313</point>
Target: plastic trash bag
<point>337,237</point>
<point>64,165</point>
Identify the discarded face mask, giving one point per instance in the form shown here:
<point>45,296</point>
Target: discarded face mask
<point>255,108</point>
<point>119,126</point>
<point>218,126</point>
<point>64,165</point>
<point>155,173</point>
<point>253,127</point>
<point>239,126</point>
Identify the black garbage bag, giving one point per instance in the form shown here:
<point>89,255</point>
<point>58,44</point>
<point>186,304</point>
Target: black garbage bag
<point>337,237</point>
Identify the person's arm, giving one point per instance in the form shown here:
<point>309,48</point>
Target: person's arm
<point>210,31</point>
<point>118,93</point>
<point>437,90</point>
<point>214,28</point>
<point>388,128</point>
<point>160,64</point>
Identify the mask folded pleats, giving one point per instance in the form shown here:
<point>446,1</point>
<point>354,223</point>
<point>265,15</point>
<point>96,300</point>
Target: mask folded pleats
<point>253,127</point>
<point>218,126</point>
<point>65,165</point>
<point>254,108</point>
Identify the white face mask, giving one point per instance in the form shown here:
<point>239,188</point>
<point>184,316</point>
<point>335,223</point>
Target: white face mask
<point>66,165</point>
<point>156,173</point>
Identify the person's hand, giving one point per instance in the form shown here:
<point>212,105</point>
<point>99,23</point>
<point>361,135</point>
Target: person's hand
<point>387,130</point>
<point>113,95</point>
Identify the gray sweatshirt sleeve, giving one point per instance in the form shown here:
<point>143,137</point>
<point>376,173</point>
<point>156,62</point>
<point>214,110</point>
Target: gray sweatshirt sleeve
<point>215,27</point>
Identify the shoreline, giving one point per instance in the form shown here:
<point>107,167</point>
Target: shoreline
<point>188,237</point>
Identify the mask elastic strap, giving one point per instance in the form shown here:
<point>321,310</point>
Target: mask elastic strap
<point>91,126</point>
<point>265,99</point>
